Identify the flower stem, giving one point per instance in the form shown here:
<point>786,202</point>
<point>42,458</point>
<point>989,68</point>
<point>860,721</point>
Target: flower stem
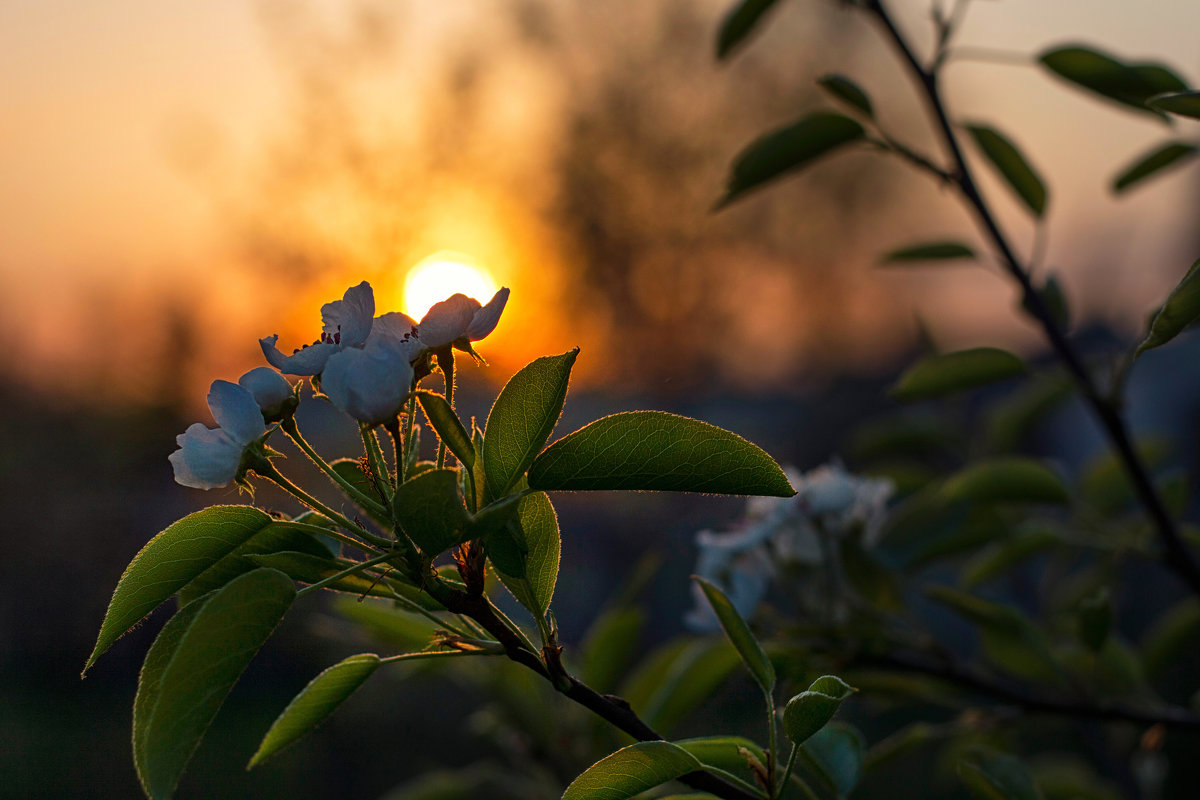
<point>772,752</point>
<point>438,654</point>
<point>368,504</point>
<point>445,362</point>
<point>337,576</point>
<point>270,473</point>
<point>379,470</point>
<point>787,772</point>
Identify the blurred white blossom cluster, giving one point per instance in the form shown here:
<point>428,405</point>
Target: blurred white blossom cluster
<point>829,503</point>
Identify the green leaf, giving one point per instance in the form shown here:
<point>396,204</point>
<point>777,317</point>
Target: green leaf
<point>275,537</point>
<point>223,635</point>
<point>739,23</point>
<point>610,645</point>
<point>809,711</point>
<point>842,88</point>
<point>448,426</point>
<point>997,776</point>
<point>631,770</point>
<point>431,512</point>
<point>404,631</point>
<point>316,701</point>
<point>1006,480</point>
<point>352,472</point>
<point>788,149</point>
<point>169,561</point>
<point>1053,298</point>
<point>930,251</point>
<point>938,375</point>
<point>1003,556</point>
<point>839,750</point>
<point>1158,159</point>
<point>1131,85</point>
<point>526,553</point>
<point>1172,637</point>
<point>677,677</point>
<point>1095,619</point>
<point>725,753</point>
<point>1181,309</point>
<point>150,678</point>
<point>1011,165</point>
<point>522,419</point>
<point>1186,104</point>
<point>654,450</point>
<point>739,633</point>
<point>1011,420</point>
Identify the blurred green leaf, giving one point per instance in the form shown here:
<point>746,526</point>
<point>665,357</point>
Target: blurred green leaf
<point>631,770</point>
<point>1011,420</point>
<point>900,744</point>
<point>448,426</point>
<point>739,633</point>
<point>654,450</point>
<point>610,645</point>
<point>1068,777</point>
<point>1095,619</point>
<point>273,538</point>
<point>926,527</point>
<point>840,750</point>
<point>170,561</point>
<point>809,711</point>
<point>903,436</point>
<point>740,22</point>
<point>997,776</point>
<point>224,633</point>
<point>1131,85</point>
<point>1157,160</point>
<point>403,630</point>
<point>1054,299</point>
<point>1171,636</point>
<point>430,510</point>
<point>316,701</point>
<point>1011,165</point>
<point>676,677</point>
<point>930,251</point>
<point>877,584</point>
<point>1181,309</point>
<point>526,553</point>
<point>938,375</point>
<point>1000,557</point>
<point>1186,104</point>
<point>1006,480</point>
<point>788,149</point>
<point>842,88</point>
<point>1104,483</point>
<point>522,418</point>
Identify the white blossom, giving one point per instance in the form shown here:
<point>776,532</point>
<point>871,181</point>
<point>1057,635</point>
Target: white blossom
<point>345,323</point>
<point>459,320</point>
<point>209,458</point>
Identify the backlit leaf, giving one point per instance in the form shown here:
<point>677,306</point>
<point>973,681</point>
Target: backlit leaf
<point>631,770</point>
<point>172,559</point>
<point>849,92</point>
<point>938,375</point>
<point>788,150</point>
<point>526,553</point>
<point>430,510</point>
<point>223,635</point>
<point>739,633</point>
<point>1181,309</point>
<point>739,23</point>
<point>448,426</point>
<point>654,450</point>
<point>1011,165</point>
<point>275,537</point>
<point>1006,480</point>
<point>522,419</point>
<point>1157,160</point>
<point>809,711</point>
<point>316,701</point>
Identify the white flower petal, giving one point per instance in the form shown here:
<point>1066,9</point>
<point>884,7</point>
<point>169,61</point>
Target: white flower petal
<point>268,388</point>
<point>308,360</point>
<point>234,409</point>
<point>348,321</point>
<point>206,458</point>
<point>447,321</point>
<point>397,332</point>
<point>369,385</point>
<point>485,319</point>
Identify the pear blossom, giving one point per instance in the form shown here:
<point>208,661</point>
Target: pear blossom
<point>272,392</point>
<point>459,320</point>
<point>371,383</point>
<point>829,501</point>
<point>345,323</point>
<point>209,458</point>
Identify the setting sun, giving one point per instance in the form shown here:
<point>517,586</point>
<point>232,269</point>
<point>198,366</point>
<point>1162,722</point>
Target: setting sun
<point>442,274</point>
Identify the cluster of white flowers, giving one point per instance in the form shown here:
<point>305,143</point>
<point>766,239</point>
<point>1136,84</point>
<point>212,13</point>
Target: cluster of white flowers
<point>363,363</point>
<point>828,500</point>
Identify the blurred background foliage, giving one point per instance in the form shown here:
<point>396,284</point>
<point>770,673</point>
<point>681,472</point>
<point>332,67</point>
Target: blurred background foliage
<point>574,149</point>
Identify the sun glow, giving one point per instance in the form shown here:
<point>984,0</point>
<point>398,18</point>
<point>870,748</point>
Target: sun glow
<point>440,275</point>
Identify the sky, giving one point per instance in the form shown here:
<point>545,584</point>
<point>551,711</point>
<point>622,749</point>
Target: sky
<point>132,133</point>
